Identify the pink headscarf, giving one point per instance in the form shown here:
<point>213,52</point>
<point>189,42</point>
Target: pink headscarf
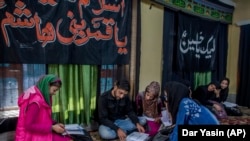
<point>150,107</point>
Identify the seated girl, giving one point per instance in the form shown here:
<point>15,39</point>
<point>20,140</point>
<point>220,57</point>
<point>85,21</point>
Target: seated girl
<point>149,105</point>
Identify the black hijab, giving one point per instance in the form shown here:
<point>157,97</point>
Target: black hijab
<point>176,91</point>
<point>224,92</point>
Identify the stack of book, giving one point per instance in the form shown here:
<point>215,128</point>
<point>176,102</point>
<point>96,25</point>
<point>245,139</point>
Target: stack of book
<point>73,129</point>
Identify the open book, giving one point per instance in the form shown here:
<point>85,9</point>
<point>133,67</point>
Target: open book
<point>73,129</point>
<point>137,136</point>
<point>165,118</point>
<point>230,104</point>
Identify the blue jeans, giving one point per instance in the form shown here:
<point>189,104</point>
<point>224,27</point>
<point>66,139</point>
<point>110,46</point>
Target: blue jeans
<point>125,124</point>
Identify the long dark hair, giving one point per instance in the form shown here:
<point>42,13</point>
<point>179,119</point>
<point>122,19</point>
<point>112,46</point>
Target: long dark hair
<point>226,90</point>
<point>176,91</point>
<point>227,79</point>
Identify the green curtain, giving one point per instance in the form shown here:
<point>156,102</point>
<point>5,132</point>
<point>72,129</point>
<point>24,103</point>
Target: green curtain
<point>202,78</point>
<point>76,100</point>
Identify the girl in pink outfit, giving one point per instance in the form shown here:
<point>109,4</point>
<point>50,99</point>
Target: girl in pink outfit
<point>149,106</point>
<point>35,121</point>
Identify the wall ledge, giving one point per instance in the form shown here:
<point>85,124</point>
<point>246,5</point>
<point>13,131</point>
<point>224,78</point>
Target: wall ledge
<point>244,22</point>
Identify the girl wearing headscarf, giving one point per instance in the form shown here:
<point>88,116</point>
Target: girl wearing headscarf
<point>35,121</point>
<point>205,94</point>
<point>149,106</point>
<point>222,93</point>
<point>221,96</point>
<point>184,110</point>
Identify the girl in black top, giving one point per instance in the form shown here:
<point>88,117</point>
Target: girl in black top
<point>221,94</point>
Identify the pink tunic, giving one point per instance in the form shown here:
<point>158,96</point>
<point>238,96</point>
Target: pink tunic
<point>34,121</point>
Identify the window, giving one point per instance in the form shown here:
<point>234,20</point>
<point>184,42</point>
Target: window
<point>14,79</point>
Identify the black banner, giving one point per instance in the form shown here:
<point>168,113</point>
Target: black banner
<point>197,43</point>
<point>65,31</point>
